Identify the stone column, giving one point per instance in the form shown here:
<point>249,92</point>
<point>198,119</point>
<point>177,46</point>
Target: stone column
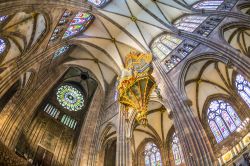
<point>123,152</point>
<point>85,142</point>
<point>195,144</point>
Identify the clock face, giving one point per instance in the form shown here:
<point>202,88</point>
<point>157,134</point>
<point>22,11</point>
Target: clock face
<point>70,98</point>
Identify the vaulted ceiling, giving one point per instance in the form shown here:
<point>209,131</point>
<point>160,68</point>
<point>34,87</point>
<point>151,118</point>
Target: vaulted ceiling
<point>119,27</point>
<point>122,26</point>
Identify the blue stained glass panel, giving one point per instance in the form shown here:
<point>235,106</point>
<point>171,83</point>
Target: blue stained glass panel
<point>215,131</point>
<point>234,116</point>
<point>177,151</point>
<point>3,18</point>
<point>243,87</point>
<point>222,119</point>
<point>2,46</point>
<point>61,51</point>
<point>222,126</point>
<point>152,155</point>
<point>228,121</point>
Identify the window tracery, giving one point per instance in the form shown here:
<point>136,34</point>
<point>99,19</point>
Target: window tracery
<point>69,121</point>
<point>215,5</point>
<point>163,45</point>
<point>70,98</point>
<point>222,119</point>
<point>152,155</point>
<point>209,5</point>
<point>57,34</point>
<point>243,88</point>
<point>61,51</point>
<point>177,151</point>
<point>80,23</point>
<point>171,49</point>
<point>189,23</point>
<point>201,25</point>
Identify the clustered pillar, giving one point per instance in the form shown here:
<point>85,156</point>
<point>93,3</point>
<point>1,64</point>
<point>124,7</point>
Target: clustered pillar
<point>195,144</point>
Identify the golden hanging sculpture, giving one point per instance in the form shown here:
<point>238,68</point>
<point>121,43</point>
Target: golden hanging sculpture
<point>136,84</point>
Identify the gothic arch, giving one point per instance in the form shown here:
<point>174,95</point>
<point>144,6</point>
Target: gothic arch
<point>139,154</point>
<point>168,143</point>
<point>234,137</point>
<point>244,8</point>
<point>156,131</point>
<point>108,131</point>
<point>65,123</point>
<point>196,79</point>
<point>24,31</point>
<point>237,35</point>
<point>192,60</point>
<point>33,5</point>
<point>108,136</point>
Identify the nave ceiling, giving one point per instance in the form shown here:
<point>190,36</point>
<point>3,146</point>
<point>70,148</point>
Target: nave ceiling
<point>118,28</point>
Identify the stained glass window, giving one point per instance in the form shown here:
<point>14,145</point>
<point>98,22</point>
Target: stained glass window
<point>61,51</point>
<point>243,87</point>
<point>2,46</point>
<point>99,3</point>
<point>69,121</point>
<point>52,111</point>
<point>172,62</point>
<point>222,119</point>
<point>216,131</point>
<point>177,151</point>
<point>59,30</point>
<point>70,97</point>
<point>189,23</point>
<point>3,18</point>
<point>152,155</point>
<point>164,44</point>
<point>80,22</point>
<point>208,4</point>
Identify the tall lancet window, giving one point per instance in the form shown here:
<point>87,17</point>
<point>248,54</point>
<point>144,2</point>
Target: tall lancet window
<point>243,87</point>
<point>80,23</point>
<point>164,44</point>
<point>189,23</point>
<point>152,155</point>
<point>177,151</point>
<point>222,119</point>
<point>208,4</point>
